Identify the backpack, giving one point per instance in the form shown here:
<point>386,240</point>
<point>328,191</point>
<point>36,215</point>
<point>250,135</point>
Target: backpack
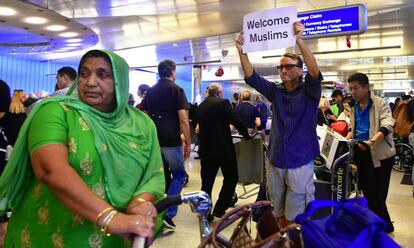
<point>5,150</point>
<point>404,119</point>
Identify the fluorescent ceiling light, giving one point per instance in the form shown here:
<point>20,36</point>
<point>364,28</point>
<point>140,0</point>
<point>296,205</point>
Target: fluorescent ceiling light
<point>6,11</point>
<point>74,44</point>
<point>56,28</point>
<point>73,40</point>
<point>68,34</point>
<point>66,49</point>
<point>35,20</point>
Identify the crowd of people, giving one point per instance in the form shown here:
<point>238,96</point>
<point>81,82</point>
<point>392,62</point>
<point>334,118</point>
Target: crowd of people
<point>87,162</point>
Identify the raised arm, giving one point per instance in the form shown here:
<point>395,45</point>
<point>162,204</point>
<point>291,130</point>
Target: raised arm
<point>244,59</point>
<point>308,58</point>
<point>259,83</point>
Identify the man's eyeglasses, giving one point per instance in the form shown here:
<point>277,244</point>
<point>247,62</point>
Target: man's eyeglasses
<point>286,66</point>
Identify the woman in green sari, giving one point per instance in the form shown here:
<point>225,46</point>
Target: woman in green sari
<point>84,165</point>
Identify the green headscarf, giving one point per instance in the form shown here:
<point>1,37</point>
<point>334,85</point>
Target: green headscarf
<point>121,182</point>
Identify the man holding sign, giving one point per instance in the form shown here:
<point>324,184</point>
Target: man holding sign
<point>293,139</point>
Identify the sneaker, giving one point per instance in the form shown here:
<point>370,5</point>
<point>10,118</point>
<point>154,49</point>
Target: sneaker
<point>168,223</point>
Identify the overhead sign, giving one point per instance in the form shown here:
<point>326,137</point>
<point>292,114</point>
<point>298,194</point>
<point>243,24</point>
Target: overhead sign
<point>269,29</point>
<point>345,20</point>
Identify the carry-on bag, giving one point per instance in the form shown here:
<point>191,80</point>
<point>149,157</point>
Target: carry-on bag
<point>351,225</point>
<point>270,237</point>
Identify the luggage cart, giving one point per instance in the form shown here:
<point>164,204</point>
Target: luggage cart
<point>336,177</point>
<point>251,162</point>
<point>339,182</point>
<point>344,176</point>
<point>348,222</point>
<point>211,236</point>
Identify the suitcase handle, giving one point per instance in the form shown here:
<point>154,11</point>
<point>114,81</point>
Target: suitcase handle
<point>315,205</point>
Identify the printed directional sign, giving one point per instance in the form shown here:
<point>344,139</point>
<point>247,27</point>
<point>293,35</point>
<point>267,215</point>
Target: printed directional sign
<point>344,20</point>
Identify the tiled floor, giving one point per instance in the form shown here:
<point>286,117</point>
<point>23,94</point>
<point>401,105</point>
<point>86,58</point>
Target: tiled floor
<point>400,204</point>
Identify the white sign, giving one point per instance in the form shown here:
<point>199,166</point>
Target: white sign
<point>269,29</point>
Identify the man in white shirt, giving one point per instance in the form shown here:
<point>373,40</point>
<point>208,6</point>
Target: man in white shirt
<point>64,79</point>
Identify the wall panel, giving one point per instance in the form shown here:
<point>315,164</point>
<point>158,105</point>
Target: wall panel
<point>29,75</point>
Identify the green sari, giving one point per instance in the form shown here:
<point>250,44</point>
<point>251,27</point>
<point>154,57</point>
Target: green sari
<point>116,154</point>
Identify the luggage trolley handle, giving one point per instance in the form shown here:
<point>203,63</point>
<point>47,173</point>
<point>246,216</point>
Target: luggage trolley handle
<point>351,160</point>
<point>199,201</point>
<point>351,144</point>
<point>239,136</point>
<point>139,242</point>
<point>351,147</point>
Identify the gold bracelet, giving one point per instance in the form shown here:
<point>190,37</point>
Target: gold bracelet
<point>105,219</point>
<point>102,213</point>
<point>142,200</point>
<point>105,225</point>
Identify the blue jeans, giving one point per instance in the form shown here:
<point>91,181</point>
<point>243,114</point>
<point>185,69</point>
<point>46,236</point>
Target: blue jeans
<point>173,159</point>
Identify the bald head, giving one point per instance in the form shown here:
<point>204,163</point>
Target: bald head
<point>215,89</point>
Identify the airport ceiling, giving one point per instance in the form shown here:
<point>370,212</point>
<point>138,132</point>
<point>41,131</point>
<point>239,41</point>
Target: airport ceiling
<point>199,31</point>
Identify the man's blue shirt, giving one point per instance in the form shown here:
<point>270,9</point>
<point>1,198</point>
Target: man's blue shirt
<point>362,122</point>
<point>248,113</point>
<point>293,138</point>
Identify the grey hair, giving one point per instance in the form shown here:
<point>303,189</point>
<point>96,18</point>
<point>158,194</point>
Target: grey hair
<point>214,89</point>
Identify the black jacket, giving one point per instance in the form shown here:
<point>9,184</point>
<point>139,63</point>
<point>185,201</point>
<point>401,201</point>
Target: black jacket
<point>214,116</point>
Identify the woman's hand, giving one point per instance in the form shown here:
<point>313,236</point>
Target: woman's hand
<point>139,220</point>
<point>142,208</point>
<point>130,225</point>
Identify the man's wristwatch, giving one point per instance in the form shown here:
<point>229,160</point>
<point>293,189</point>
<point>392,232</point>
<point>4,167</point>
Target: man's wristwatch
<point>372,141</point>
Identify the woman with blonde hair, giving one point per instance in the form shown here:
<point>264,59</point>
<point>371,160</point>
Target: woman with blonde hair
<point>324,113</point>
<point>12,114</point>
<point>16,105</point>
